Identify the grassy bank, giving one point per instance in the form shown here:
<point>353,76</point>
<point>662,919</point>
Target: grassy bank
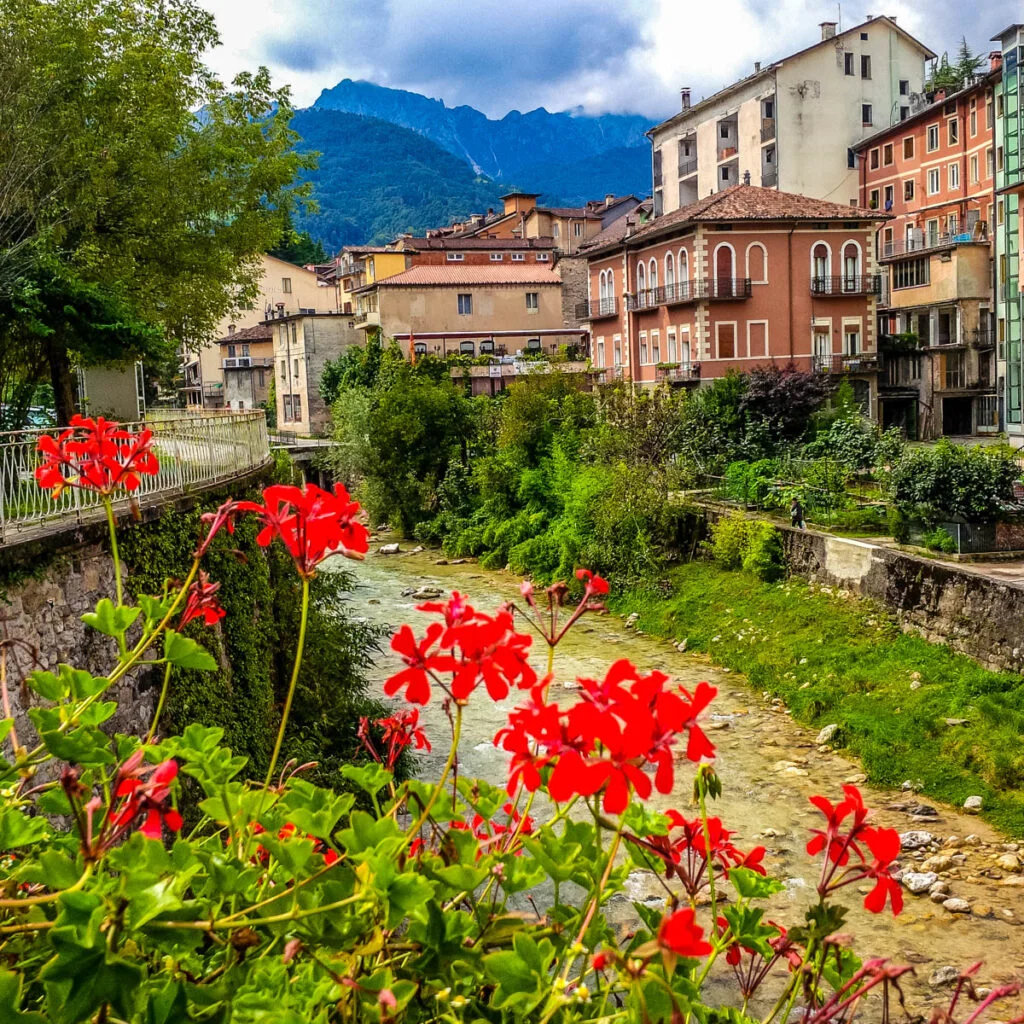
<point>835,659</point>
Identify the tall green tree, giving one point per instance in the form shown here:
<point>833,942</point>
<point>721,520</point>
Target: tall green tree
<point>149,179</point>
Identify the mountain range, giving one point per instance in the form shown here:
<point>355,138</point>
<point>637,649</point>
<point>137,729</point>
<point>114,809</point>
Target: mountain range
<point>394,161</point>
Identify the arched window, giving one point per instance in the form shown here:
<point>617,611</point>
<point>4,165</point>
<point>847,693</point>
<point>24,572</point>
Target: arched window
<point>670,271</point>
<point>725,269</point>
<point>641,284</point>
<point>603,285</point>
<point>652,278</point>
<point>684,273</point>
<point>851,267</point>
<point>757,263</point>
<point>821,268</point>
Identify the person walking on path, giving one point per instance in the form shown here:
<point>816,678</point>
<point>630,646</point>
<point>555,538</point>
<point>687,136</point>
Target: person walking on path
<point>796,514</point>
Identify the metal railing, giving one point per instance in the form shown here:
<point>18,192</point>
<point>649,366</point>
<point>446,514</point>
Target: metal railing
<point>691,291</point>
<point>983,338</point>
<point>839,363</point>
<point>769,178</point>
<point>687,166</point>
<point>927,242</point>
<point>684,372</point>
<point>843,285</point>
<point>767,129</point>
<point>195,452</point>
<point>596,310</point>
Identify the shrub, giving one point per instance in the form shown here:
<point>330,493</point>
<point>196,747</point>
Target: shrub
<point>749,544</point>
<point>899,525</point>
<point>728,542</point>
<point>851,443</point>
<point>753,483</point>
<point>939,540</point>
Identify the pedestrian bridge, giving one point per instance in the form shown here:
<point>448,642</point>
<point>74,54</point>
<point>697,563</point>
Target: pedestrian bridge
<point>196,453</point>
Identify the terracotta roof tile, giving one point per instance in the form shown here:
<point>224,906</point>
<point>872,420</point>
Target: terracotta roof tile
<point>261,332</point>
<point>498,273</point>
<point>447,242</point>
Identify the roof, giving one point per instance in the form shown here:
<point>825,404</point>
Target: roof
<point>580,212</point>
<point>998,37</point>
<point>448,276</point>
<point>261,332</point>
<point>740,203</point>
<point>616,231</point>
<point>474,242</point>
<point>982,82</point>
<point>769,69</point>
<point>512,195</point>
<point>367,250</point>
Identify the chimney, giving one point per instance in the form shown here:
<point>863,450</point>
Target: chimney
<point>757,66</point>
<point>684,98</point>
<point>746,177</point>
<point>940,95</point>
<point>231,329</point>
<point>995,60</point>
<point>609,196</point>
<point>828,30</point>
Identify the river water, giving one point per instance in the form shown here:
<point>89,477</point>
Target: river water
<point>768,765</point>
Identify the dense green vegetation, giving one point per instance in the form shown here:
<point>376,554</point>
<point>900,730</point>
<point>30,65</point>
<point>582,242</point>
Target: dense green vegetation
<point>255,646</point>
<point>844,661</point>
<point>376,180</point>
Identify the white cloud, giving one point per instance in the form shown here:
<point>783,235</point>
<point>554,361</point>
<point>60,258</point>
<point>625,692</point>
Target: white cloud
<point>632,56</point>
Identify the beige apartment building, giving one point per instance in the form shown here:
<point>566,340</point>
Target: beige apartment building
<point>791,124</point>
<point>284,289</point>
<point>303,344</point>
<point>472,309</point>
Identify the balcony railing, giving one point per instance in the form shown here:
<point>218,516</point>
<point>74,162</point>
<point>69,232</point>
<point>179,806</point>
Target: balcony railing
<point>767,129</point>
<point>691,291</point>
<point>769,178</point>
<point>687,167</point>
<point>839,363</point>
<point>983,338</point>
<point>598,309</point>
<point>245,362</point>
<point>928,242</point>
<point>678,374</point>
<point>194,451</point>
<point>843,286</point>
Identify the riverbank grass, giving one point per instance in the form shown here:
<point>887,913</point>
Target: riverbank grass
<point>840,659</point>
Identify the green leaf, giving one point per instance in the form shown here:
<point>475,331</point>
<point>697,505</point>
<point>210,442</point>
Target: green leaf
<point>167,1004</point>
<point>312,809</point>
<point>18,829</point>
<point>463,877</point>
<point>370,777</point>
<point>10,1000</point>
<point>521,973</point>
<point>110,620</point>
<point>154,608</point>
<point>749,884</point>
<point>87,745</point>
<point>49,686</point>
<point>53,868</point>
<point>185,653</point>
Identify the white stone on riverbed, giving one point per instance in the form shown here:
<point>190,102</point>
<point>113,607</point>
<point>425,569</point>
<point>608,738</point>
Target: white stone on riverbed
<point>826,734</point>
<point>919,881</point>
<point>915,839</point>
<point>972,804</point>
<point>957,906</point>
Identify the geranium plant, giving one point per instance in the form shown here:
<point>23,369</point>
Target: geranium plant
<point>448,899</point>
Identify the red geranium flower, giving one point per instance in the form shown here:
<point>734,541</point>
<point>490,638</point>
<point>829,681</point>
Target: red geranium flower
<point>419,661</point>
<point>95,455</point>
<point>312,523</point>
<point>400,730</point>
<point>202,602</point>
<point>680,934</point>
<point>884,844</point>
<point>147,791</point>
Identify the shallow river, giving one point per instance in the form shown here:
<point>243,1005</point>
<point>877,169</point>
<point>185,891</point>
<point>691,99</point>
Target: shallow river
<point>768,766</point>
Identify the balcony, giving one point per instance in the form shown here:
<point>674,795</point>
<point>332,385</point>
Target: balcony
<point>597,310</point>
<point>860,363</point>
<point>245,362</point>
<point>983,338</point>
<point>843,287</point>
<point>769,178</point>
<point>687,167</point>
<point>901,247</point>
<point>366,318</point>
<point>727,152</point>
<point>683,374</point>
<point>767,129</point>
<point>724,288</point>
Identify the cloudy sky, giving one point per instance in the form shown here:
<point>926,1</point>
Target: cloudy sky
<point>602,55</point>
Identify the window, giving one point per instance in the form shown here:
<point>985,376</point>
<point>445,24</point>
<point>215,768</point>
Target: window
<point>757,263</point>
<point>599,354</point>
<point>910,273</point>
<point>577,230</point>
<point>887,154</point>
<point>851,339</point>
<point>286,285</point>
<point>617,348</point>
<point>863,35</point>
<point>865,66</point>
<point>725,265</point>
<point>932,228</point>
<point>849,63</point>
<point>973,121</point>
<point>726,337</point>
<point>245,350</point>
<point>904,113</point>
<point>974,169</point>
<point>851,159</point>
<point>851,267</point>
<point>284,370</point>
<point>873,159</point>
<point>465,304</point>
<point>684,265</point>
<point>518,257</point>
<point>954,175</point>
<point>670,345</point>
<point>670,271</point>
<point>873,200</point>
<point>456,257</point>
<point>724,130</point>
<point>297,407</point>
<point>821,266</point>
<point>904,87</point>
<point>953,130</point>
<point>908,190</point>
<point>890,196</point>
<point>231,351</point>
<point>532,302</point>
<point>725,174</point>
<point>496,257</point>
<point>933,138</point>
<point>990,163</point>
<point>643,347</point>
<point>908,148</point>
<point>556,230</point>
<point>295,368</point>
<point>988,112</point>
<point>865,114</point>
<point>999,159</point>
<point>287,408</point>
<point>933,181</point>
<point>543,257</point>
<point>655,347</point>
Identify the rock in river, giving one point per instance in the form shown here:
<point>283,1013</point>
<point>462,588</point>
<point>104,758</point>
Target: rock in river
<point>919,881</point>
<point>826,734</point>
<point>915,840</point>
<point>957,906</point>
<point>972,804</point>
<point>388,549</point>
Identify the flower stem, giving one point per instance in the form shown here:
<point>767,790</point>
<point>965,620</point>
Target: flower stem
<point>709,853</point>
<point>449,764</point>
<point>291,686</point>
<point>160,703</point>
<point>112,526</point>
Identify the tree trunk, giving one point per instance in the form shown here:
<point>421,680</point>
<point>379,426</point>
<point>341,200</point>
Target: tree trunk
<point>61,378</point>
